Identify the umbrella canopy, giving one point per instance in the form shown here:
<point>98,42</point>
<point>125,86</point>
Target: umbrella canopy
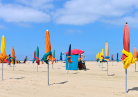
<point>3,44</point>
<point>3,55</point>
<point>112,57</point>
<point>117,56</point>
<point>34,54</point>
<point>98,55</point>
<point>135,52</point>
<point>69,50</point>
<point>61,56</point>
<point>48,45</point>
<point>106,49</point>
<point>127,56</point>
<point>102,52</point>
<point>106,52</point>
<point>75,52</point>
<point>53,53</point>
<point>37,52</point>
<point>126,40</point>
<point>13,52</point>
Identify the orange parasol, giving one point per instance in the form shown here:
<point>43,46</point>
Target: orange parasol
<point>48,45</point>
<point>135,52</point>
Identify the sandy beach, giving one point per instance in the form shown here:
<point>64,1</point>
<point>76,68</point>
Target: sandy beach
<point>25,81</point>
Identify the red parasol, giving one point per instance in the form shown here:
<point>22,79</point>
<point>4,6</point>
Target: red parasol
<point>75,52</point>
<point>126,40</point>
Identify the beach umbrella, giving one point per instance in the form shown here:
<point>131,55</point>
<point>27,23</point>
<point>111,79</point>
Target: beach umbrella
<point>34,58</point>
<point>117,57</point>
<point>34,54</point>
<point>107,55</point>
<point>75,52</point>
<point>13,57</point>
<point>48,55</point>
<point>69,57</point>
<point>112,59</point>
<point>53,59</point>
<point>61,56</point>
<point>98,57</point>
<point>3,55</point>
<point>135,56</point>
<point>127,57</point>
<point>37,57</point>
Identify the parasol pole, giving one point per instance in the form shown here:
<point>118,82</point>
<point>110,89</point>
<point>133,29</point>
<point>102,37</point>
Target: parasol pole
<point>125,80</point>
<point>135,67</point>
<point>2,73</point>
<point>68,68</point>
<point>112,63</point>
<point>48,74</point>
<point>13,67</point>
<point>102,66</point>
<point>99,64</point>
<point>107,68</point>
<point>37,67</point>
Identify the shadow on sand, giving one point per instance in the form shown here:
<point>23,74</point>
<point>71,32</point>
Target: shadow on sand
<point>134,88</point>
<point>75,73</point>
<point>112,75</point>
<point>60,83</point>
<point>18,78</point>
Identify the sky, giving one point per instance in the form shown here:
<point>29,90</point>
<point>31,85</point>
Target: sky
<point>85,24</point>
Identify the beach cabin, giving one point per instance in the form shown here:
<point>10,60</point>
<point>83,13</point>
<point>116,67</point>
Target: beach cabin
<point>74,57</point>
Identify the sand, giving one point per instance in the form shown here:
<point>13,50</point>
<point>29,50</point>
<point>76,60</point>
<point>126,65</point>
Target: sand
<point>25,81</point>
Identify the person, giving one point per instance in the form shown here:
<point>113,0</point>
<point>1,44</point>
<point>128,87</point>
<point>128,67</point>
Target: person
<point>9,60</point>
<point>42,60</point>
<point>25,59</point>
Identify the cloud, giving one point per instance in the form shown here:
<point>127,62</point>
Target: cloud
<point>80,12</point>
<point>2,27</point>
<point>19,13</point>
<point>37,4</point>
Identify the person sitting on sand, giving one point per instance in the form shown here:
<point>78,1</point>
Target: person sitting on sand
<point>25,59</point>
<point>42,61</point>
<point>9,60</point>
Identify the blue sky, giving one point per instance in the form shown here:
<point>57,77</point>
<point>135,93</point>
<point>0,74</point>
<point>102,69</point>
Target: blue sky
<point>86,24</point>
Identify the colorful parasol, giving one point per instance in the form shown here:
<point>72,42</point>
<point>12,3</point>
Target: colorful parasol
<point>106,52</point>
<point>37,56</point>
<point>75,52</point>
<point>69,55</point>
<point>127,57</point>
<point>48,55</point>
<point>53,59</point>
<point>3,55</point>
<point>34,57</point>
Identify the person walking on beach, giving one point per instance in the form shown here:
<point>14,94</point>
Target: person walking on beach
<point>25,59</point>
<point>9,60</point>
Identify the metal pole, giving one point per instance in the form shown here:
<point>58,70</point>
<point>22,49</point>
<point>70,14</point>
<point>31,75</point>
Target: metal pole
<point>125,80</point>
<point>52,65</point>
<point>68,68</point>
<point>2,72</point>
<point>13,67</point>
<point>135,67</point>
<point>107,68</point>
<point>48,73</point>
<point>37,67</point>
<point>102,66</point>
